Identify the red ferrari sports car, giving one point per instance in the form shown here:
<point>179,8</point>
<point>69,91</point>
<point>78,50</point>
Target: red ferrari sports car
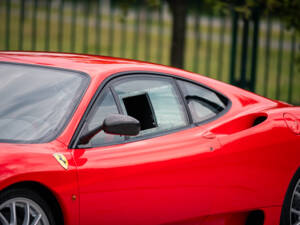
<point>91,140</point>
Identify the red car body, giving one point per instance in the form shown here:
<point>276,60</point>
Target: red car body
<point>215,173</point>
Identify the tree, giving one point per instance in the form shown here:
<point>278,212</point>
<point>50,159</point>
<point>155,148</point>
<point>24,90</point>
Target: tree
<point>179,13</point>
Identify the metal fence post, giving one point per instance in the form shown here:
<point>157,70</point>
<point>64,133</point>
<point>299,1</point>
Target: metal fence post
<point>123,35</point>
<point>73,26</point>
<point>235,18</point>
<point>7,30</point>
<point>292,59</point>
<point>243,72</point>
<point>209,45</point>
<point>21,24</point>
<point>60,25</point>
<point>148,34</point>
<point>197,41</point>
<point>221,48</point>
<point>136,30</point>
<point>279,61</point>
<point>34,25</point>
<point>85,38</point>
<point>267,56</point>
<point>48,25</point>
<point>254,50</point>
<point>160,32</point>
<point>111,29</point>
<point>98,25</point>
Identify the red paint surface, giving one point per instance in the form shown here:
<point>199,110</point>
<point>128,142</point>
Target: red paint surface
<point>215,173</point>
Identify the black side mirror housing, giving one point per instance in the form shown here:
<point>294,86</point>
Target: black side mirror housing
<point>114,124</point>
<point>121,125</point>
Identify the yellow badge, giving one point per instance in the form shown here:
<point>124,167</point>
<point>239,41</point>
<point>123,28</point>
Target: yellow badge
<point>62,160</point>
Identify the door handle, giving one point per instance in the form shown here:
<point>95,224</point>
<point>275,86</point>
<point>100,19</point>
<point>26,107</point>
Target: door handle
<point>209,135</point>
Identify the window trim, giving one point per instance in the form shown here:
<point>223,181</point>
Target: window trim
<point>125,74</point>
<point>85,84</point>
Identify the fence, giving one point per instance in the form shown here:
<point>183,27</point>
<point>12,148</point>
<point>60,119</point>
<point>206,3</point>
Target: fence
<point>256,54</point>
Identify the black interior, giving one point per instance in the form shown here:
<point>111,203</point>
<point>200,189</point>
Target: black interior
<point>140,108</point>
<point>259,120</point>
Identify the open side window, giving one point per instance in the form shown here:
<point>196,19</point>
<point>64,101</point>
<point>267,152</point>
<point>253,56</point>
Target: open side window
<point>153,101</point>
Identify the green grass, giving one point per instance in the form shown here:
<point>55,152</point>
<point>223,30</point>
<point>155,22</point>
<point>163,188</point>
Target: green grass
<point>148,40</point>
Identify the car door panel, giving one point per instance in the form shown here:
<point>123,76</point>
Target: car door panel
<point>154,181</point>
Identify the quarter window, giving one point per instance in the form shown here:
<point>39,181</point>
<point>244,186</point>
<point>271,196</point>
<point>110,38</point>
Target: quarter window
<point>203,103</point>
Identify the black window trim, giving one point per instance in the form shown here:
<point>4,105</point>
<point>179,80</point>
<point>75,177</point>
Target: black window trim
<point>184,102</point>
<point>107,82</point>
<point>85,84</point>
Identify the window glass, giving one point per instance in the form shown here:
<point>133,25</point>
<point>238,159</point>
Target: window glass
<point>104,106</point>
<point>202,102</point>
<point>36,102</point>
<point>154,102</point>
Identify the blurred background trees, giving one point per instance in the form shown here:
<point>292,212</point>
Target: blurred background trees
<point>286,10</point>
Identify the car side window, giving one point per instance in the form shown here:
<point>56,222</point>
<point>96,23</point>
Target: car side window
<point>104,106</point>
<point>152,101</point>
<point>203,103</point>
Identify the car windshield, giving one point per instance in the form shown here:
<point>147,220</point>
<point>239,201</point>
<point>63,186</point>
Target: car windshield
<point>36,102</point>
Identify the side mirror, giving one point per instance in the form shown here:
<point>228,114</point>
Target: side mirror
<point>121,125</point>
<point>114,124</point>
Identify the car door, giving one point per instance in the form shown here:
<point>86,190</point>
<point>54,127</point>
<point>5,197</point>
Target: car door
<point>160,176</point>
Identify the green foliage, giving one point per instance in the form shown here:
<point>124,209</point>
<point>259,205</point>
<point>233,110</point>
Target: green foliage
<point>287,10</point>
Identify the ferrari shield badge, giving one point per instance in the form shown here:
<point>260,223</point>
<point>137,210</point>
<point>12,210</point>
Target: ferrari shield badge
<point>61,159</point>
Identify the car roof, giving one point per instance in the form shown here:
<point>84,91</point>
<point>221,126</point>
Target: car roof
<point>101,67</point>
<point>91,64</point>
